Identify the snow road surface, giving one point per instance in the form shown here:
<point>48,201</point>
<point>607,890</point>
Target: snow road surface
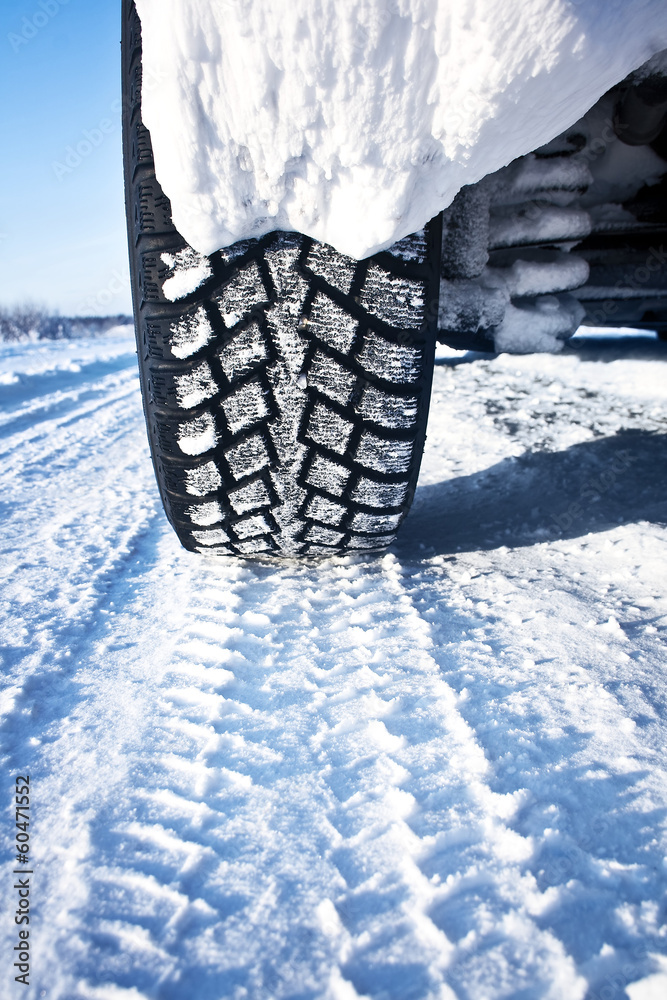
<point>434,773</point>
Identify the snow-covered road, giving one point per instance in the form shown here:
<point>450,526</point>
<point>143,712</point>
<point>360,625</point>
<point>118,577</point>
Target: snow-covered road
<point>437,773</point>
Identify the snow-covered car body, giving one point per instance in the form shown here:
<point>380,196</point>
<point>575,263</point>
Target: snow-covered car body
<point>286,358</point>
<point>355,123</point>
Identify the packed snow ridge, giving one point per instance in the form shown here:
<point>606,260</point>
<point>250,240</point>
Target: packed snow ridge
<point>357,123</point>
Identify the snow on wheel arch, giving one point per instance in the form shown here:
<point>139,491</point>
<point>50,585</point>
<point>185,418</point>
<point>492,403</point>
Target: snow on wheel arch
<point>357,123</point>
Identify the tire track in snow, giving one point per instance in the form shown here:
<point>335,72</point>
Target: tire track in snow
<point>75,496</point>
<point>460,833</point>
<point>295,814</point>
<point>35,384</point>
<point>280,781</point>
<point>590,796</point>
<point>34,441</point>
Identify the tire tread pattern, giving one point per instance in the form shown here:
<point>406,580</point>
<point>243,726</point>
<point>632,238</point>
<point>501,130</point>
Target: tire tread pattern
<point>285,386</point>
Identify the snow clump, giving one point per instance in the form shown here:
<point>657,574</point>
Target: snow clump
<point>357,123</point>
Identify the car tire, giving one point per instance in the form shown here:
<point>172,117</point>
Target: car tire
<point>285,386</point>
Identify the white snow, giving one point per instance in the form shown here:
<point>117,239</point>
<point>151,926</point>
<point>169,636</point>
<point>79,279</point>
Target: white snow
<point>356,123</point>
<point>190,333</point>
<point>546,223</point>
<point>189,269</point>
<point>203,480</point>
<point>197,435</point>
<point>527,277</point>
<point>438,772</point>
<point>651,988</point>
<point>542,326</point>
<point>195,387</point>
<point>534,325</point>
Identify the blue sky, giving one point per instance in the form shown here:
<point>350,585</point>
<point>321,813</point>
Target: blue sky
<point>62,223</point>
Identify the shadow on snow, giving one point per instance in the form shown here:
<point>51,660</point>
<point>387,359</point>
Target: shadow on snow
<point>543,496</point>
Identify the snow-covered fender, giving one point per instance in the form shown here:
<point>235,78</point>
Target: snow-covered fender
<point>355,123</point>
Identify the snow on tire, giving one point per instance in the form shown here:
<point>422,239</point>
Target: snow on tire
<point>285,386</point>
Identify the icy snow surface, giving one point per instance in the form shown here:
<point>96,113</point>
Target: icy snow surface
<point>437,773</point>
<point>356,123</point>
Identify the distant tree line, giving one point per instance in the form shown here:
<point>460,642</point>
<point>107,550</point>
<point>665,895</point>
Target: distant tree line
<point>34,323</point>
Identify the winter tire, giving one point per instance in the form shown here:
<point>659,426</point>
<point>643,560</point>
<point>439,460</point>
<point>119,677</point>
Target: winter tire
<point>285,386</point>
